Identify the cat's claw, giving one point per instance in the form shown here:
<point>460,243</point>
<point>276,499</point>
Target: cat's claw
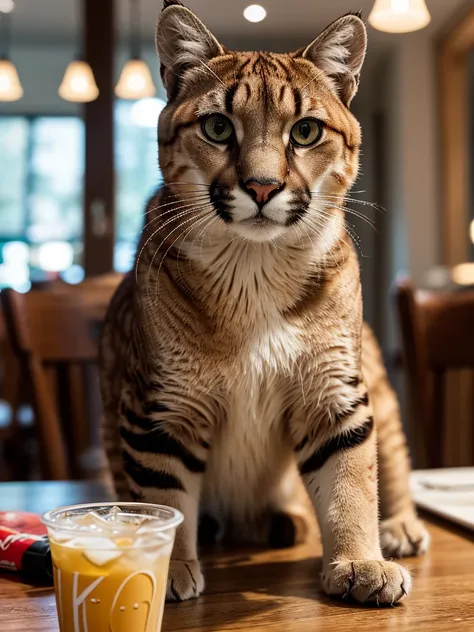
<point>404,536</point>
<point>185,580</point>
<point>377,582</point>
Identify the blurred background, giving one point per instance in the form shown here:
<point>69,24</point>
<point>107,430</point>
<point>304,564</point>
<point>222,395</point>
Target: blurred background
<point>80,94</point>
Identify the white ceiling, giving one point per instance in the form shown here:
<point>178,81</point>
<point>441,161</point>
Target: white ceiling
<point>287,20</point>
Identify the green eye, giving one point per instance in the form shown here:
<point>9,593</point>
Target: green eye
<point>306,132</point>
<point>217,128</point>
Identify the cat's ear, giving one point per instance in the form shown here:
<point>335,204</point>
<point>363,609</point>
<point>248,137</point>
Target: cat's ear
<point>339,51</point>
<point>182,41</point>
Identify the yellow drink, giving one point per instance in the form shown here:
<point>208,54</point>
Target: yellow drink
<point>110,573</point>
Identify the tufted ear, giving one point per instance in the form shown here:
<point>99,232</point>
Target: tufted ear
<point>182,41</point>
<point>339,51</point>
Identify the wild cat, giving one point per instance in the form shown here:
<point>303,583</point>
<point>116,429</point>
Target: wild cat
<point>238,377</point>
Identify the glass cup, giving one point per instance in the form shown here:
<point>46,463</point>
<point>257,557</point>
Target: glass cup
<point>110,564</point>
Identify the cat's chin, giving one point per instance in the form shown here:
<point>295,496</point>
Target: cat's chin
<point>259,233</point>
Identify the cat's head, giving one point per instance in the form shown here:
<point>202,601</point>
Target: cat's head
<point>264,142</point>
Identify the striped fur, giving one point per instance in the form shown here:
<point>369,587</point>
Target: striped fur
<point>238,379</point>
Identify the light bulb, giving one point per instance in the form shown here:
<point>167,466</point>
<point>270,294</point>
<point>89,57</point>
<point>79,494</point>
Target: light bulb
<point>78,84</point>
<point>471,231</point>
<point>255,13</point>
<point>7,6</point>
<point>135,81</point>
<point>463,274</point>
<point>399,16</point>
<point>10,86</point>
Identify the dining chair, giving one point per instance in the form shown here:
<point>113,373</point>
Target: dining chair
<point>437,330</point>
<point>53,334</point>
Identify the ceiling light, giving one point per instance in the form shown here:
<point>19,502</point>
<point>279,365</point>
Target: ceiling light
<point>463,274</point>
<point>255,13</point>
<point>399,16</point>
<point>79,85</point>
<point>135,81</point>
<point>7,6</point>
<point>10,86</point>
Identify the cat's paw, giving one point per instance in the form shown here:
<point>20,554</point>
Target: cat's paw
<point>367,581</point>
<point>185,580</point>
<point>404,536</point>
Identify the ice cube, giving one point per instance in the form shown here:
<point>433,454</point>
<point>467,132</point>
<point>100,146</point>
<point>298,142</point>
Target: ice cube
<point>98,551</point>
<point>113,514</point>
<point>146,525</point>
<point>93,521</point>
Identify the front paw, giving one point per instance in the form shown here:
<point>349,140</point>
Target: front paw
<point>404,536</point>
<point>185,580</point>
<point>367,581</point>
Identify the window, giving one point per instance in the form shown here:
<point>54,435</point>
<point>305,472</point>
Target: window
<point>13,175</point>
<point>137,172</point>
<point>41,184</point>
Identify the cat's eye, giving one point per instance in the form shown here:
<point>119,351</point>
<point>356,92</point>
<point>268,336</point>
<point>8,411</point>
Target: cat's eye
<point>306,132</point>
<point>217,128</point>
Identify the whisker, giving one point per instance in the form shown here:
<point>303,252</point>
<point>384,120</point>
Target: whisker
<point>213,73</point>
<point>319,227</point>
<point>351,211</point>
<point>192,210</point>
<point>211,219</point>
<point>206,213</point>
<point>342,222</point>
<point>187,183</point>
<point>347,229</point>
<point>328,196</point>
<point>173,210</point>
<point>179,201</point>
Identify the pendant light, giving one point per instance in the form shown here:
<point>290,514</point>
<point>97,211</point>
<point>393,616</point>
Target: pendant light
<point>78,84</point>
<point>10,86</point>
<point>399,16</point>
<point>135,81</point>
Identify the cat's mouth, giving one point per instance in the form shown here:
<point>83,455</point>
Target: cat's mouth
<point>260,221</point>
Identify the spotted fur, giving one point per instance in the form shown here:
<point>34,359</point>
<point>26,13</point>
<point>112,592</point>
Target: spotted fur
<point>232,377</point>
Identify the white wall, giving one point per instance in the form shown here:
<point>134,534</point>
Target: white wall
<point>405,90</point>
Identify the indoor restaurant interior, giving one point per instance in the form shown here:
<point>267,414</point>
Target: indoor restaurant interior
<point>80,97</point>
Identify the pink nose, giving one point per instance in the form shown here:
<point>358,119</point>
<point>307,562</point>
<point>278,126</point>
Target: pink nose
<point>262,190</point>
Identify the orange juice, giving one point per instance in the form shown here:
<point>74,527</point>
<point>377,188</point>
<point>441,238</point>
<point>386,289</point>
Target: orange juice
<point>111,569</point>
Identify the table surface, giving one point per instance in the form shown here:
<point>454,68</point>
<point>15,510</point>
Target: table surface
<point>266,591</point>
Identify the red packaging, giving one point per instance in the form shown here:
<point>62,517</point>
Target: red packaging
<point>13,545</point>
<point>27,553</point>
<point>22,521</point>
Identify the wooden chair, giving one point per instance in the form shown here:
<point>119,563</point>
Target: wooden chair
<point>53,334</point>
<point>438,341</point>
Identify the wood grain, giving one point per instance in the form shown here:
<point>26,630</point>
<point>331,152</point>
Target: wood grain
<point>266,591</point>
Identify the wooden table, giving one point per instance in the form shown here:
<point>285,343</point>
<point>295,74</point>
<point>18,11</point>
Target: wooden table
<point>267,591</point>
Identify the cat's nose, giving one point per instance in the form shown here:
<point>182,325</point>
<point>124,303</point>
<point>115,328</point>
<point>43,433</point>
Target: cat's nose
<point>261,191</point>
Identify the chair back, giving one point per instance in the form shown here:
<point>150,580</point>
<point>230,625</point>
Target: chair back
<point>54,336</point>
<point>437,331</point>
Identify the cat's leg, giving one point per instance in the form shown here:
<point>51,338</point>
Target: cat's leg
<point>165,449</point>
<point>336,453</point>
<point>291,513</point>
<point>402,533</point>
